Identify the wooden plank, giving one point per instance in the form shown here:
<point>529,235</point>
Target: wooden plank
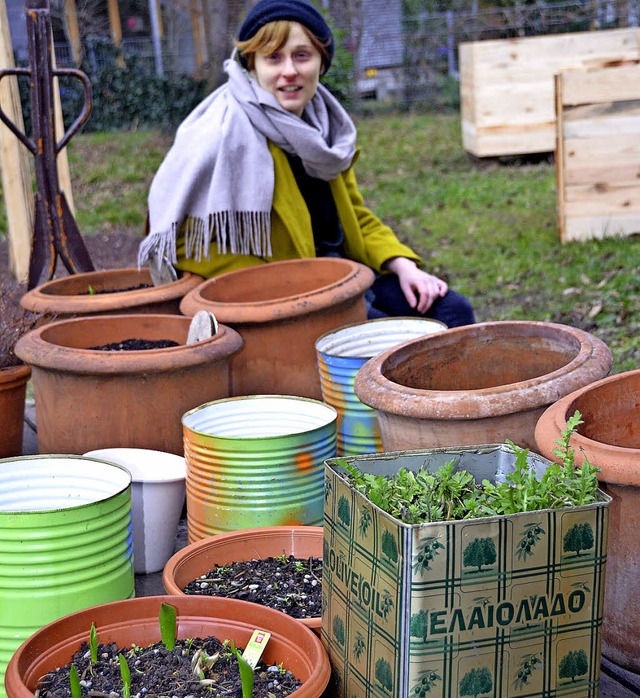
<point>607,150</point>
<point>594,120</point>
<point>602,198</point>
<point>599,227</point>
<point>615,84</point>
<point>14,164</point>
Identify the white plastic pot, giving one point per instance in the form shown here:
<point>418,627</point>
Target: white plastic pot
<point>157,500</point>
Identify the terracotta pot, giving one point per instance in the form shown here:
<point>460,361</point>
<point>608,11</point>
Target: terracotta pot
<point>68,296</point>
<point>477,384</point>
<point>136,621</point>
<point>87,399</point>
<point>236,546</point>
<point>280,309</point>
<point>13,390</point>
<point>610,439</point>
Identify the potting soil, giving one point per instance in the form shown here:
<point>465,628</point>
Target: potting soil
<point>288,584</point>
<point>157,671</point>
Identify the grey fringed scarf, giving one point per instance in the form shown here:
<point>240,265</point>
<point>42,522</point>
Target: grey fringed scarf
<point>218,175</point>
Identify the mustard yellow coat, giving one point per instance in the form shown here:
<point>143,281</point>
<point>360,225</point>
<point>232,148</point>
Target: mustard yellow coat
<point>366,238</point>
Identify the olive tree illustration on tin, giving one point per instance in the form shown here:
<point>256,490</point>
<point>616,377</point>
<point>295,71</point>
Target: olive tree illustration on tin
<point>579,537</point>
<point>574,663</point>
<point>476,682</point>
<point>481,551</point>
<point>383,674</point>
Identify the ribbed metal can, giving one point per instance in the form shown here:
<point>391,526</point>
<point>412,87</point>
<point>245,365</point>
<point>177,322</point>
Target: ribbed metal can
<point>256,461</point>
<point>65,541</point>
<point>340,354</point>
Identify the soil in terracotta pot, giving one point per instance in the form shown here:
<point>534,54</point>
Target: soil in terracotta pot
<point>101,291</point>
<point>156,671</point>
<point>288,584</point>
<point>136,345</point>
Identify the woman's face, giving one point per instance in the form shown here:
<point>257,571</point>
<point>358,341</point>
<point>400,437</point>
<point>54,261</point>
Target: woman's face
<point>292,72</point>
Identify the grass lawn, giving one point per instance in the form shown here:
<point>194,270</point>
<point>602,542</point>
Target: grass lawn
<point>488,227</point>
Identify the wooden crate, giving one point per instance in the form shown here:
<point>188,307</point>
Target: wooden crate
<point>598,152</point>
<point>507,86</point>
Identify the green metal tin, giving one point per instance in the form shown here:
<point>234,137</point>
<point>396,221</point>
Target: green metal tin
<point>65,541</point>
<point>256,461</point>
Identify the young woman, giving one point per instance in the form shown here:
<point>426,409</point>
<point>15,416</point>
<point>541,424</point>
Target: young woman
<point>262,170</point>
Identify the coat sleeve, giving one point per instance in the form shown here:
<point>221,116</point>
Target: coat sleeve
<point>367,238</point>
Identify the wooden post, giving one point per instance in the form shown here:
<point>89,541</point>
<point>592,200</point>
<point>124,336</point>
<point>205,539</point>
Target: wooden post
<point>14,164</point>
<point>74,31</point>
<point>196,19</point>
<point>116,29</point>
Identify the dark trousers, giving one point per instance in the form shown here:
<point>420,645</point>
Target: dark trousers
<point>386,299</point>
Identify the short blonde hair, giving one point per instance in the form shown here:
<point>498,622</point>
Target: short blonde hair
<point>272,37</point>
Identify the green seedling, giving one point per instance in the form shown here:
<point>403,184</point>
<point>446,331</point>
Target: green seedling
<point>125,675</point>
<point>168,625</point>
<point>91,290</point>
<point>201,663</point>
<point>93,643</point>
<point>74,683</point>
<point>450,495</point>
<point>246,672</point>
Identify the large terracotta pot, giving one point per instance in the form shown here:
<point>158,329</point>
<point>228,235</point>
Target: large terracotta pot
<point>280,309</point>
<point>88,399</point>
<point>13,390</point>
<point>136,621</point>
<point>236,546</point>
<point>69,296</point>
<point>477,384</point>
<point>610,439</point>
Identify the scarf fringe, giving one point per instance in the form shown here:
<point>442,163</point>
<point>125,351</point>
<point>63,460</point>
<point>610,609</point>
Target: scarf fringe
<point>246,232</point>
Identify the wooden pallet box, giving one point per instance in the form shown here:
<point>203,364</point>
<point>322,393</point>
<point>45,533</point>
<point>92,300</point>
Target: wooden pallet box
<point>598,152</point>
<point>507,86</point>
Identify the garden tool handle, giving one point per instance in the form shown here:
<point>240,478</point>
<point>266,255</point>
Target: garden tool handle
<point>27,142</point>
<point>86,107</point>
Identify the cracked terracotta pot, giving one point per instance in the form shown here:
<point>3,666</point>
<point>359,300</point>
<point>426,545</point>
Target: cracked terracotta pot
<point>477,384</point>
<point>280,309</point>
<point>198,558</point>
<point>88,399</point>
<point>135,621</point>
<point>71,296</point>
<point>13,390</point>
<point>610,439</point>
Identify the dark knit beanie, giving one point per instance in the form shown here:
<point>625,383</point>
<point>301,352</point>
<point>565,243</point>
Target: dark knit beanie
<point>265,11</point>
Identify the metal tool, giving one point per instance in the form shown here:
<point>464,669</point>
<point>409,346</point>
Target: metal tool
<point>55,229</point>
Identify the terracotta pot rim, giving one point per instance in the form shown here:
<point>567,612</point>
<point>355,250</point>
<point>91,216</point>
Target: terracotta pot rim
<point>17,375</point>
<point>39,353</point>
<point>356,280</point>
<point>554,419</point>
<point>41,300</point>
<point>380,393</point>
<point>118,615</point>
<point>194,550</point>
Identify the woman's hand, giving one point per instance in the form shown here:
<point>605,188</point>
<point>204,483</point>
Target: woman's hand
<point>420,289</point>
